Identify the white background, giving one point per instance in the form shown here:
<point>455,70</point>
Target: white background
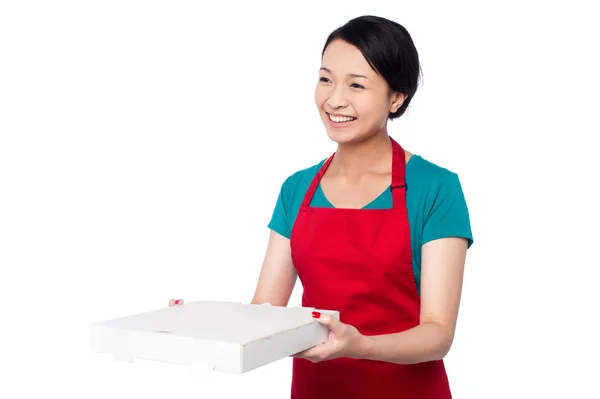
<point>143,145</point>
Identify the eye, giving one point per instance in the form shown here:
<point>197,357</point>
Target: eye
<point>323,79</point>
<point>357,86</point>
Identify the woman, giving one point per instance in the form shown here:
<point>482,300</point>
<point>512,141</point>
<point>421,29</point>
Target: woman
<point>373,231</point>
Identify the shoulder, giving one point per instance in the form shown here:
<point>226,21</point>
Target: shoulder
<point>428,172</point>
<point>299,181</point>
<point>291,194</point>
<point>440,197</point>
<point>430,181</point>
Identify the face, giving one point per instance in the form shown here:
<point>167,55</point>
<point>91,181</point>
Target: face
<point>352,99</point>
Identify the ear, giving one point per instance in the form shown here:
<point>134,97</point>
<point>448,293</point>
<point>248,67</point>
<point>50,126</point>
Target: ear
<point>397,101</point>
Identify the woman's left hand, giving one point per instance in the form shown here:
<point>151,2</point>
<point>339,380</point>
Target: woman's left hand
<point>344,341</point>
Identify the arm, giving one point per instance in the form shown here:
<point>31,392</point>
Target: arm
<point>442,270</point>
<point>278,275</point>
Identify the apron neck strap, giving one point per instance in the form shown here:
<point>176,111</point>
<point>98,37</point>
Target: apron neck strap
<point>398,186</point>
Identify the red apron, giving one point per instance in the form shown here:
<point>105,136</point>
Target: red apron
<point>359,261</point>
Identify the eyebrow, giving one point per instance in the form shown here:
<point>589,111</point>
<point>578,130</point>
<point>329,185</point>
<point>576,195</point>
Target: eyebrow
<point>352,75</point>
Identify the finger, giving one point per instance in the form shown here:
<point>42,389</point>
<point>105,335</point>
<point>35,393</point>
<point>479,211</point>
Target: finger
<point>174,302</point>
<point>334,325</point>
<point>299,354</point>
<point>315,354</point>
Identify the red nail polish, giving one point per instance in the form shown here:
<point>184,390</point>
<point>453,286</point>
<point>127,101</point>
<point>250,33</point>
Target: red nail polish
<point>177,301</point>
<point>316,314</point>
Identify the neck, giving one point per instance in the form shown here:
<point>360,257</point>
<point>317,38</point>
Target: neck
<point>354,161</point>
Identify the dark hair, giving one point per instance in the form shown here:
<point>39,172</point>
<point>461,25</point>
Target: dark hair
<point>388,48</point>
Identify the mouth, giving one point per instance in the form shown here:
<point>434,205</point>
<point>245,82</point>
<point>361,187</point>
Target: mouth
<point>340,120</point>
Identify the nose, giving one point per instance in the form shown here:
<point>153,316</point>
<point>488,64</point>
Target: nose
<point>337,98</point>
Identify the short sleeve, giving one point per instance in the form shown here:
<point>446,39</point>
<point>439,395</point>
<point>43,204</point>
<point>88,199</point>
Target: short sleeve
<point>448,215</point>
<point>280,219</point>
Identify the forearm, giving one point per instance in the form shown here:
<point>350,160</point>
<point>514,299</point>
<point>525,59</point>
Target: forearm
<point>425,342</point>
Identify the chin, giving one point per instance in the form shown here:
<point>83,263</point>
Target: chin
<point>341,137</point>
<point>350,136</point>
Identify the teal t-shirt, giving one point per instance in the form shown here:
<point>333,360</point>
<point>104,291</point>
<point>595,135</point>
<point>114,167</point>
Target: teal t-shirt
<point>435,204</point>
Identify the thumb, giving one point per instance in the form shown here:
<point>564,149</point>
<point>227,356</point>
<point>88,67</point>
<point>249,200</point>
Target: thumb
<point>334,325</point>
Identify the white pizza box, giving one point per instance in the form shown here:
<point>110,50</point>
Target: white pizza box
<point>221,336</point>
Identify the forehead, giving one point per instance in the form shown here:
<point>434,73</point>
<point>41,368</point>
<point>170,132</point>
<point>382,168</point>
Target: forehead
<point>343,58</point>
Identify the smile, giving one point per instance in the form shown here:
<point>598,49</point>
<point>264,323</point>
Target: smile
<point>340,119</point>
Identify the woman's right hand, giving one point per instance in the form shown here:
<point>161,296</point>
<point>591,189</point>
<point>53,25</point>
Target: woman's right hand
<point>176,302</point>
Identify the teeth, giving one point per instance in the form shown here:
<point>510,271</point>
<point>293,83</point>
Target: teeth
<point>340,119</point>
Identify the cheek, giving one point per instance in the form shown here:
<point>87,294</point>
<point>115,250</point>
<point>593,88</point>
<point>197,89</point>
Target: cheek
<point>320,96</point>
<point>372,109</point>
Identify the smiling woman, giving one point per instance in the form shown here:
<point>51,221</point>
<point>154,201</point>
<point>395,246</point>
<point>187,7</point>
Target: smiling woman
<point>373,231</point>
<point>371,77</point>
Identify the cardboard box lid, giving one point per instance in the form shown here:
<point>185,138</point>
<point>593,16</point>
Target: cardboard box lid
<point>222,336</point>
<point>229,322</point>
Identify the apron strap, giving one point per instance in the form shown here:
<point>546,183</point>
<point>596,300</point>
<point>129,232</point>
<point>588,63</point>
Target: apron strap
<point>315,182</point>
<point>398,186</point>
